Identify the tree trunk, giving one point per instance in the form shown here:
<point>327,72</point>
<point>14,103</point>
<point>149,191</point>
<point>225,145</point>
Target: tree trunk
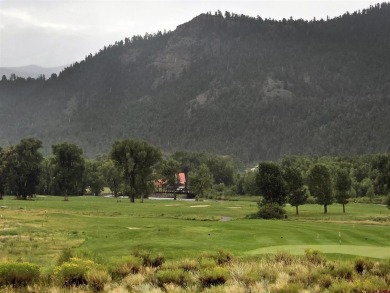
<point>344,208</point>
<point>296,210</point>
<point>325,208</point>
<point>132,188</point>
<point>66,196</point>
<point>174,191</point>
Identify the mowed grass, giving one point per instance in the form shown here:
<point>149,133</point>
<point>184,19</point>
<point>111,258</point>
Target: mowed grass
<point>105,228</point>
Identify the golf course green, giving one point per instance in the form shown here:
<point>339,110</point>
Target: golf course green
<point>39,230</point>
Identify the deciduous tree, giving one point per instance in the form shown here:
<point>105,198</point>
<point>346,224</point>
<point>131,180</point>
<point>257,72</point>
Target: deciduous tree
<point>201,180</point>
<point>112,176</point>
<point>46,179</point>
<point>23,166</point>
<point>136,160</point>
<point>271,184</point>
<point>296,192</point>
<point>169,170</point>
<point>320,185</point>
<point>343,186</point>
<point>2,173</point>
<point>381,167</point>
<point>94,177</point>
<point>69,167</point>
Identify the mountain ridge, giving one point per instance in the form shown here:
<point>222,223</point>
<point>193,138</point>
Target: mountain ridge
<point>252,88</point>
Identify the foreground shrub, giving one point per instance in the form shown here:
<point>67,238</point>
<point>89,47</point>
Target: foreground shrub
<point>314,257</point>
<point>383,268</point>
<point>189,265</point>
<point>65,255</point>
<point>244,273</point>
<point>341,286</point>
<point>146,288</point>
<point>284,258</point>
<point>175,276</point>
<point>343,271</point>
<point>134,280</point>
<point>220,257</point>
<point>126,265</point>
<point>363,265</point>
<point>325,281</point>
<point>73,272</point>
<point>97,278</point>
<point>223,257</point>
<point>270,211</point>
<point>370,284</point>
<point>18,273</point>
<point>267,275</point>
<point>227,288</point>
<point>213,276</point>
<point>206,262</point>
<point>289,288</point>
<point>148,259</point>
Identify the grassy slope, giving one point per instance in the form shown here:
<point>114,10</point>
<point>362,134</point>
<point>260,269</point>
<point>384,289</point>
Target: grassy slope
<point>104,228</point>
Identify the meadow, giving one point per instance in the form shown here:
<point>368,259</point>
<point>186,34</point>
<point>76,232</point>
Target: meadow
<point>104,229</point>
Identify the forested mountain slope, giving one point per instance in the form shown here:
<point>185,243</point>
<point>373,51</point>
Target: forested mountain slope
<point>228,84</point>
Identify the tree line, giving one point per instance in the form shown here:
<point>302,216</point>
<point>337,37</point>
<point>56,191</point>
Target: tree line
<point>323,180</point>
<point>132,168</point>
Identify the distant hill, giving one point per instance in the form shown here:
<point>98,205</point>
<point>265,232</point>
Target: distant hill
<point>32,71</point>
<point>230,84</point>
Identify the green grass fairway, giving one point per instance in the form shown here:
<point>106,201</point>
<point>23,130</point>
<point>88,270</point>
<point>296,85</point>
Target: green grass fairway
<point>103,228</point>
<point>367,251</point>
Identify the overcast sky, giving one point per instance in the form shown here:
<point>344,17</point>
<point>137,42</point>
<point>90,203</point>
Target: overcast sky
<point>59,32</point>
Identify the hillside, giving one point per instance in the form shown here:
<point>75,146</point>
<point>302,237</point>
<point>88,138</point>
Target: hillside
<point>229,84</point>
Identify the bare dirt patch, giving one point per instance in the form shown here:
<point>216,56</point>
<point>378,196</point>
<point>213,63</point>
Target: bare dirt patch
<point>200,206</point>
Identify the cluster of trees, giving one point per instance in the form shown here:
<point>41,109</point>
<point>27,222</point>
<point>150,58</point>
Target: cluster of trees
<point>326,179</point>
<point>131,168</point>
<point>23,170</point>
